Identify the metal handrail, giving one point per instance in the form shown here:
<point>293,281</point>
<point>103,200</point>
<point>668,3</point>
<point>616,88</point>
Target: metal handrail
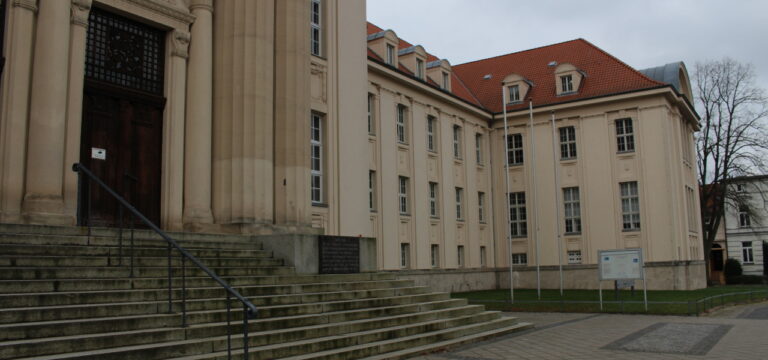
<point>249,310</point>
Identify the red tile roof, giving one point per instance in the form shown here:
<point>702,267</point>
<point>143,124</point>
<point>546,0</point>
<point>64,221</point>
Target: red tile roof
<point>605,74</point>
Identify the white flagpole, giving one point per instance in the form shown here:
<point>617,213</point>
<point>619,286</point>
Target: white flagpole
<point>506,194</point>
<point>556,165</point>
<point>535,198</point>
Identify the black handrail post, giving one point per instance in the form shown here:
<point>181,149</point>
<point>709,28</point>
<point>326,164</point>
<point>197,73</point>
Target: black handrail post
<point>246,313</point>
<point>88,215</point>
<point>183,291</point>
<point>229,328</point>
<point>120,236</point>
<point>130,220</point>
<point>170,284</point>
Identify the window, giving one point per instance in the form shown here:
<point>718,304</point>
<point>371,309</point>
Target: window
<point>567,143</point>
<point>457,141</point>
<point>316,144</point>
<point>482,257</point>
<point>372,190</point>
<point>420,69</point>
<point>315,25</point>
<point>746,252</point>
<point>630,206</point>
<point>402,136</point>
<point>691,207</point>
<point>514,93</point>
<point>572,210</point>
<point>515,149</point>
<point>625,135</point>
<point>435,255</point>
<point>431,146</point>
<point>566,81</point>
<point>481,206</point>
<point>479,148</point>
<point>744,220</point>
<point>405,255</point>
<point>574,257</point>
<point>740,187</point>
<point>517,214</point>
<point>390,55</point>
<point>519,259</point>
<point>445,80</point>
<point>371,122</point>
<point>433,209</point>
<point>403,195</point>
<point>459,203</point>
<point>460,253</point>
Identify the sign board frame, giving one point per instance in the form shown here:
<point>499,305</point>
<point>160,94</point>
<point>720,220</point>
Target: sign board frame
<point>627,258</point>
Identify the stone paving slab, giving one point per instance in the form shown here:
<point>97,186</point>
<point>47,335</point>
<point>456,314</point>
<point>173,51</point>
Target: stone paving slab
<point>723,335</point>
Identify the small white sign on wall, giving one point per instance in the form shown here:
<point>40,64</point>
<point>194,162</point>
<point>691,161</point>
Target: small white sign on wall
<point>98,154</point>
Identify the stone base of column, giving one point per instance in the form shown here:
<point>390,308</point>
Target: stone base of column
<point>195,215</point>
<point>45,210</point>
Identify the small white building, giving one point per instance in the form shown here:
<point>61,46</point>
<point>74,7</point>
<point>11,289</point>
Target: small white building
<point>746,225</point>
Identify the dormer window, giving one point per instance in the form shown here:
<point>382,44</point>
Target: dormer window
<point>420,68</point>
<point>445,80</point>
<point>390,55</point>
<point>567,83</point>
<point>514,93</point>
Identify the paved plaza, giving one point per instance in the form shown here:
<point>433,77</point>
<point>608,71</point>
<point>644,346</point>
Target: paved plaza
<point>739,332</point>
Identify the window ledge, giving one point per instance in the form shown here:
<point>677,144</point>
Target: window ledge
<point>571,160</point>
<point>520,165</point>
<point>630,230</point>
<point>627,153</point>
<point>572,234</point>
<point>320,205</point>
<point>403,145</point>
<point>568,93</point>
<point>519,237</point>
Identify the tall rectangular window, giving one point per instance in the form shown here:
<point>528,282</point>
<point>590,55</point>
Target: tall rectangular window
<point>625,135</point>
<point>514,93</point>
<point>479,148</point>
<point>481,206</point>
<point>315,28</point>
<point>482,257</point>
<point>420,69</point>
<point>403,195</point>
<point>520,259</point>
<point>572,210</point>
<point>574,257</point>
<point>371,122</point>
<point>316,144</point>
<point>747,256</point>
<point>457,141</point>
<point>515,149</point>
<point>459,203</point>
<point>431,146</point>
<point>405,255</point>
<point>402,124</point>
<point>433,196</point>
<point>435,255</point>
<point>518,218</point>
<point>630,205</point>
<point>567,143</point>
<point>691,207</point>
<point>744,220</point>
<point>390,55</point>
<point>445,80</point>
<point>372,190</point>
<point>460,253</point>
<point>566,81</point>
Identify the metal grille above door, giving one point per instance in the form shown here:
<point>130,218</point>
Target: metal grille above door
<point>124,52</point>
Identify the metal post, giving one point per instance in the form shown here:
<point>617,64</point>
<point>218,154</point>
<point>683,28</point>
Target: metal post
<point>556,167</point>
<point>600,290</point>
<point>506,194</point>
<point>170,284</point>
<point>133,249</point>
<point>245,332</point>
<point>533,201</point>
<point>229,328</point>
<point>120,236</point>
<point>183,291</point>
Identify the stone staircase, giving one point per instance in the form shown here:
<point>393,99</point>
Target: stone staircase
<point>63,295</point>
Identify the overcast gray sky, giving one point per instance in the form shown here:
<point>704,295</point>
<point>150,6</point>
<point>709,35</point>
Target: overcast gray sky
<point>642,33</point>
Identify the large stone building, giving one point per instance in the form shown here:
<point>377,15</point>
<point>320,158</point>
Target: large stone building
<point>746,224</point>
<point>242,116</point>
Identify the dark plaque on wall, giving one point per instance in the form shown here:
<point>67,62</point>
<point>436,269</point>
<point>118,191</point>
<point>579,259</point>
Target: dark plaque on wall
<point>339,255</point>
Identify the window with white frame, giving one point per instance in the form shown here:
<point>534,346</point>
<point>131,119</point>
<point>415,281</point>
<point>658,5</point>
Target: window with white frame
<point>479,148</point>
<point>625,135</point>
<point>372,190</point>
<point>574,257</point>
<point>457,141</point>
<point>435,255</point>
<point>515,149</point>
<point>445,80</point>
<point>481,206</point>
<point>403,195</point>
<point>431,130</point>
<point>518,218</point>
<point>567,143</point>
<point>520,259</point>
<point>420,69</point>
<point>630,206</point>
<point>482,257</point>
<point>316,33</point>
<point>572,210</point>
<point>405,255</point>
<point>460,253</point>
<point>390,54</point>
<point>744,220</point>
<point>371,120</point>
<point>566,82</point>
<point>433,196</point>
<point>316,152</point>
<point>514,93</point>
<point>459,203</point>
<point>402,124</point>
<point>747,257</point>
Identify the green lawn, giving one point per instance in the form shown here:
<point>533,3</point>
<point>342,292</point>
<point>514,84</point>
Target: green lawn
<point>526,299</point>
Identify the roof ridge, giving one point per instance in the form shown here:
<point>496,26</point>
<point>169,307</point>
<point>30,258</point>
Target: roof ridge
<point>518,52</point>
<point>622,63</point>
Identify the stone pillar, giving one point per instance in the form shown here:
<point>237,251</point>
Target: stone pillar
<point>78,34</point>
<point>15,106</point>
<point>43,200</point>
<point>199,136</point>
<point>172,194</point>
<point>292,112</point>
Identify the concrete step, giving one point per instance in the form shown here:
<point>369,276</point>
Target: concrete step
<point>97,261</point>
<point>79,250</point>
<point>36,273</point>
<point>80,240</point>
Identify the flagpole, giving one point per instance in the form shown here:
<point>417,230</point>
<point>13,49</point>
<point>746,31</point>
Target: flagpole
<point>556,165</point>
<point>535,198</point>
<point>506,194</point>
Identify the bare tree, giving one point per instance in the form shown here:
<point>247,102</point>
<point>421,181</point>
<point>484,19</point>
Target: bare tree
<point>733,140</point>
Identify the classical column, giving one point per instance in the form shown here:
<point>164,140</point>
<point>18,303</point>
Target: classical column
<point>43,201</point>
<point>198,142</point>
<point>172,192</point>
<point>292,112</point>
<point>15,106</point>
<point>78,34</point>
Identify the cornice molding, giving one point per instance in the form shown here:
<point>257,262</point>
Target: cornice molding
<point>165,8</point>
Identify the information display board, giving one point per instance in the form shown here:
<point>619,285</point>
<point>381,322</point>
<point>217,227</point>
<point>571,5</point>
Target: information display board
<point>624,264</point>
<point>339,255</point>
